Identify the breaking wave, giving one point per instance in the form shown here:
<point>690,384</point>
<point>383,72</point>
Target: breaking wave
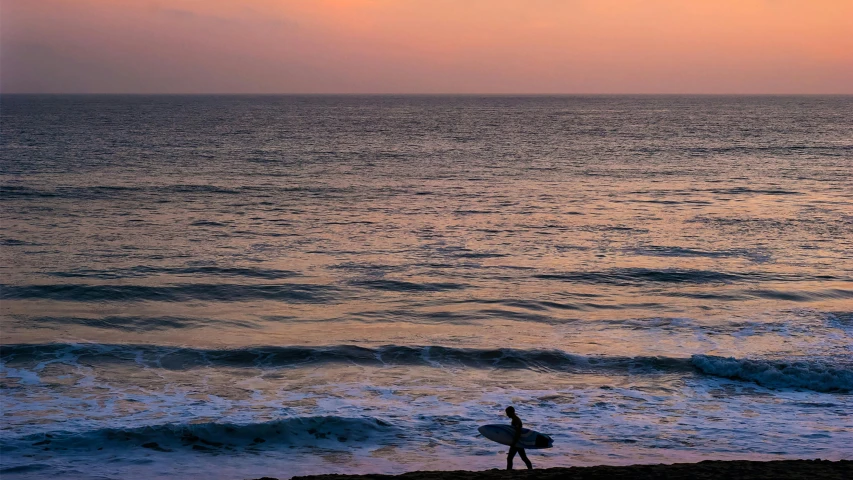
<point>212,436</point>
<point>777,374</point>
<point>179,358</point>
<point>22,361</point>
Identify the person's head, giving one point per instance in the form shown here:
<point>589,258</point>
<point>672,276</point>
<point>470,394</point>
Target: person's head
<point>510,411</point>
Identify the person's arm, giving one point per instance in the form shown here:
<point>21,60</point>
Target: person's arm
<point>517,435</point>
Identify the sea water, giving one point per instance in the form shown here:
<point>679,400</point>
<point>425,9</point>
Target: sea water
<point>239,286</point>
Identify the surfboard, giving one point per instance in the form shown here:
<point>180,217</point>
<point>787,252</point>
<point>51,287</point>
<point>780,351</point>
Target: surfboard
<point>504,434</point>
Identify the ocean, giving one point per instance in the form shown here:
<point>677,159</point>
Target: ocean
<point>238,286</point>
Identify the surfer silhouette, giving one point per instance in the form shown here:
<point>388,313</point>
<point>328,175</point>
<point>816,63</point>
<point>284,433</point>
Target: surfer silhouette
<point>516,424</point>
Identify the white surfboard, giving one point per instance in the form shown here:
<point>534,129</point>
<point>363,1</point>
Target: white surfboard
<point>504,434</point>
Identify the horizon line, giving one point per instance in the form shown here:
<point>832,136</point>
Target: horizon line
<point>417,94</point>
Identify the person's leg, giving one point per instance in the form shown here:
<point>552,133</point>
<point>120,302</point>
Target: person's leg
<point>523,455</point>
<point>509,457</point>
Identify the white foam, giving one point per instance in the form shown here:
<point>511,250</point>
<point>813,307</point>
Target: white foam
<point>780,374</point>
<point>26,377</point>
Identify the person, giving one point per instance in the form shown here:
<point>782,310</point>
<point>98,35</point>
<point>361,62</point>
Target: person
<point>516,424</point>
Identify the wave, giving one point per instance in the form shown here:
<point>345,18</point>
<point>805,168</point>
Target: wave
<point>22,361</point>
<point>131,323</point>
<point>295,356</point>
<point>289,292</point>
<point>222,292</point>
<point>109,192</point>
<point>403,286</point>
<point>213,436</point>
<point>98,192</point>
<point>753,191</point>
<point>801,296</point>
<point>828,149</point>
<point>144,271</point>
<point>756,256</point>
<point>778,374</point>
<point>633,276</point>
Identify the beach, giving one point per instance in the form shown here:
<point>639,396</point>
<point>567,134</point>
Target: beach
<point>706,470</point>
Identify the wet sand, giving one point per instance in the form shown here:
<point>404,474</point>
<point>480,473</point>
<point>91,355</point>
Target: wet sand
<point>744,470</point>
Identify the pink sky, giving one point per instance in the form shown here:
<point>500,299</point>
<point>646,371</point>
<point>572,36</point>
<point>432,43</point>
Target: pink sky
<point>426,46</point>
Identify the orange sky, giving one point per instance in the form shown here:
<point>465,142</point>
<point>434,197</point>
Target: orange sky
<point>426,46</point>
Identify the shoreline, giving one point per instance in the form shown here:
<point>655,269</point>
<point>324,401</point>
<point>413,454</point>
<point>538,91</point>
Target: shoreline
<point>708,469</point>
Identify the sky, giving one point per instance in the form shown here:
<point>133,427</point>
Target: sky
<point>427,46</point>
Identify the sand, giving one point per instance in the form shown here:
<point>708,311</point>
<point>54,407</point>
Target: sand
<point>744,470</point>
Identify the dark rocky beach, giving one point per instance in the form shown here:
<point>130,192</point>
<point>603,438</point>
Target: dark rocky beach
<point>710,469</point>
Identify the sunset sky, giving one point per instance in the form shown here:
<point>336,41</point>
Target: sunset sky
<point>426,46</point>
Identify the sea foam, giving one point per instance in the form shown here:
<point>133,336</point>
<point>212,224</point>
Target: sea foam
<point>778,374</point>
<point>326,431</point>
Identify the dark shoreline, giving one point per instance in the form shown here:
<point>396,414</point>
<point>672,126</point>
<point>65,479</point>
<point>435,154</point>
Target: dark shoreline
<point>708,469</point>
